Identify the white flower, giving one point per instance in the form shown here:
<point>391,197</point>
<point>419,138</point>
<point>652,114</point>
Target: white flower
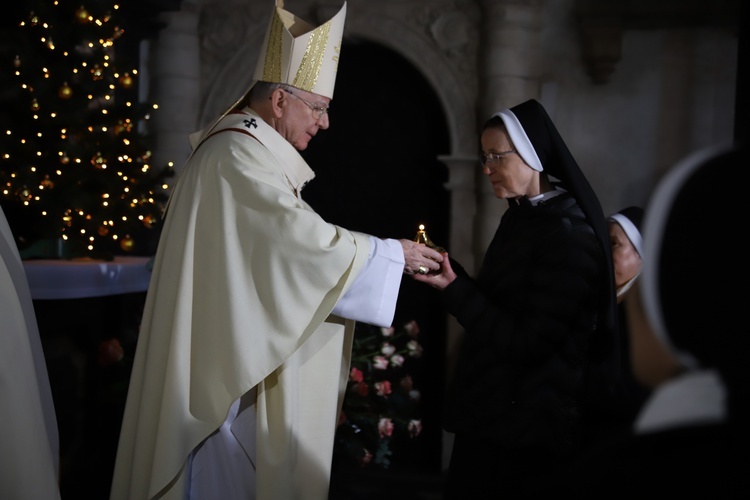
<point>415,350</point>
<point>397,360</point>
<point>414,427</point>
<point>388,349</point>
<point>387,332</point>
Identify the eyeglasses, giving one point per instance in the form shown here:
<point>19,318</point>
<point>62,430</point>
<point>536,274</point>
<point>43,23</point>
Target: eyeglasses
<point>317,109</point>
<point>495,157</point>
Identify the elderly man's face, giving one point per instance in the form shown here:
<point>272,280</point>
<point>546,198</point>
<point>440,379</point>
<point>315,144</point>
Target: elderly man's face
<point>302,117</point>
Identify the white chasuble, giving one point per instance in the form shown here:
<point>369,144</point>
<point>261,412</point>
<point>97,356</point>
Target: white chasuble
<point>244,282</point>
<point>29,443</point>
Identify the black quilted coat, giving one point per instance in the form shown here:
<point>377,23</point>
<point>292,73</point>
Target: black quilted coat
<point>527,319</point>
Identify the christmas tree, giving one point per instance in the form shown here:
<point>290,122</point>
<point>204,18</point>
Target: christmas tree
<point>76,176</point>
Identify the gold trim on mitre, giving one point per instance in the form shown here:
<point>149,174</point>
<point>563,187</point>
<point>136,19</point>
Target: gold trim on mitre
<point>291,43</point>
<point>297,54</point>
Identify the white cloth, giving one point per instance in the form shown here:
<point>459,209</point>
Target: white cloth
<point>29,445</point>
<point>56,279</point>
<point>375,290</point>
<point>695,397</point>
<point>245,280</point>
<point>229,453</point>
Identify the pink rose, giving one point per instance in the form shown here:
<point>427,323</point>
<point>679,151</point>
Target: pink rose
<point>385,427</point>
<point>110,352</point>
<point>361,389</point>
<point>412,329</point>
<point>380,362</point>
<point>355,375</point>
<point>387,332</point>
<point>383,388</point>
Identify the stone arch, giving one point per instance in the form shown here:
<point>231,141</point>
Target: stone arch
<point>457,95</point>
<point>458,108</point>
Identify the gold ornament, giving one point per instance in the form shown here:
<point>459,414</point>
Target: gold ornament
<point>98,160</point>
<point>126,81</point>
<point>34,19</point>
<point>97,73</point>
<point>422,237</point>
<point>34,105</point>
<point>82,15</point>
<point>127,243</point>
<point>65,92</point>
<point>24,194</point>
<point>122,127</point>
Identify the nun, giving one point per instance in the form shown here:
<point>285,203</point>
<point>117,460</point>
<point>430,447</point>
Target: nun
<point>543,292</point>
<point>627,247</point>
<point>689,340</point>
<point>614,414</point>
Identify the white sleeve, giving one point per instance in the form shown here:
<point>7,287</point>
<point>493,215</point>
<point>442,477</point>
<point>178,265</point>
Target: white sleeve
<point>372,297</point>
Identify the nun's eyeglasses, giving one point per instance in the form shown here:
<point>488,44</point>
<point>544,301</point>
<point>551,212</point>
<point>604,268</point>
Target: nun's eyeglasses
<point>317,109</point>
<point>495,157</point>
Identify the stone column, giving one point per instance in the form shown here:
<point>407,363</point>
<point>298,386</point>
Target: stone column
<point>461,170</point>
<point>509,66</point>
<point>175,79</point>
<point>463,210</point>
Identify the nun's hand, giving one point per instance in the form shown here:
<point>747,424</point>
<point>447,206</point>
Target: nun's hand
<point>441,278</point>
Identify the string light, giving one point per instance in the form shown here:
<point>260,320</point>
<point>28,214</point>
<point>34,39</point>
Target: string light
<point>82,125</point>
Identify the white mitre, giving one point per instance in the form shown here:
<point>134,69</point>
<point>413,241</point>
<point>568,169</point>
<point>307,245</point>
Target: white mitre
<point>294,53</point>
<point>300,55</point>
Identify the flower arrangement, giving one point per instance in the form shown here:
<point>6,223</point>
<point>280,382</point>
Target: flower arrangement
<point>381,402</point>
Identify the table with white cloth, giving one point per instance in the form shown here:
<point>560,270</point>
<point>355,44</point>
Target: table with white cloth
<point>52,279</point>
<point>88,313</point>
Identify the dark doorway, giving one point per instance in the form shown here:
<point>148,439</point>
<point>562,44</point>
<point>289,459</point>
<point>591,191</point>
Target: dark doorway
<point>377,171</point>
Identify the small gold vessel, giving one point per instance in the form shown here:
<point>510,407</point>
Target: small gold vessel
<point>422,237</point>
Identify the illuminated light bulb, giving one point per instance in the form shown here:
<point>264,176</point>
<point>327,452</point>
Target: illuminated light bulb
<point>127,243</point>
<point>65,92</point>
<point>126,81</point>
<point>82,15</point>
